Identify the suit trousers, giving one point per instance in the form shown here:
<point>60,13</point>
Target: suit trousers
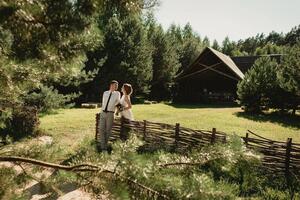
<point>105,127</point>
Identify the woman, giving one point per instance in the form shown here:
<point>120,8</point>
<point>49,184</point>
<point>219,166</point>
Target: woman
<point>125,102</point>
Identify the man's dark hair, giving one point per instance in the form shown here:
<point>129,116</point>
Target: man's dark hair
<point>113,82</point>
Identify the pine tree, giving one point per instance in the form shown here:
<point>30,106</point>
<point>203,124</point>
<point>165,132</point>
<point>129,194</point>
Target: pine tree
<point>191,47</point>
<point>289,73</point>
<point>42,41</point>
<point>124,56</point>
<point>228,46</point>
<point>165,63</point>
<point>260,89</point>
<point>292,37</point>
<point>268,49</point>
<point>216,45</point>
<point>206,42</point>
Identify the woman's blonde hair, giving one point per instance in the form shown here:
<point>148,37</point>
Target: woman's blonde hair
<point>128,88</point>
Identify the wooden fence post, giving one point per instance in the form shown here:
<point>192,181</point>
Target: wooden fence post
<point>224,139</point>
<point>97,126</point>
<point>177,130</point>
<point>144,129</point>
<point>287,160</point>
<point>246,139</point>
<point>213,136</point>
<point>122,129</point>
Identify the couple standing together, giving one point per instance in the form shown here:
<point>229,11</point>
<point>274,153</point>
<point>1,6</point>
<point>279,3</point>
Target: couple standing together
<point>111,100</point>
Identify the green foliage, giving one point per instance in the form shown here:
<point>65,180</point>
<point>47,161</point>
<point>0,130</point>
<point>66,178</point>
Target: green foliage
<point>216,45</point>
<point>127,56</point>
<point>222,172</point>
<point>268,49</point>
<point>269,85</point>
<point>228,46</point>
<point>261,44</point>
<point>23,122</point>
<point>188,43</point>
<point>46,99</point>
<point>249,45</point>
<point>10,182</point>
<point>40,151</point>
<point>40,42</point>
<point>165,63</point>
<point>273,194</point>
<point>6,181</point>
<point>293,36</point>
<point>289,73</point>
<point>259,88</point>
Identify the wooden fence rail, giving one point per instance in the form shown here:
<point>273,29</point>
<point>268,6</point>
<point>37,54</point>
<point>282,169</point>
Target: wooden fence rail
<point>278,157</point>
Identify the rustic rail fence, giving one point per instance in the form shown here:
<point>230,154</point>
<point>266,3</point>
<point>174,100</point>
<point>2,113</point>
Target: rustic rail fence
<point>280,158</point>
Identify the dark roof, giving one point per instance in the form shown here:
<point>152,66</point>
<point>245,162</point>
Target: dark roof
<point>244,63</point>
<point>226,60</point>
<point>239,65</point>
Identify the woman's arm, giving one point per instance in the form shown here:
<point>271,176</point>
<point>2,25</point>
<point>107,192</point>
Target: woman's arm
<point>118,98</point>
<point>127,100</point>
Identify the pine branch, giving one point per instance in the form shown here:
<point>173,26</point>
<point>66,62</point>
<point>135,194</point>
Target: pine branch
<point>81,168</point>
<point>42,182</point>
<point>146,188</point>
<point>87,179</point>
<point>184,163</point>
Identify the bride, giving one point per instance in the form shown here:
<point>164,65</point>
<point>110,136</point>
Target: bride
<point>125,102</point>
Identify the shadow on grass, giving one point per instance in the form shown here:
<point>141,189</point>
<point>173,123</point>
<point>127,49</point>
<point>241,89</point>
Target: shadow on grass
<point>43,114</point>
<point>196,106</point>
<point>285,120</point>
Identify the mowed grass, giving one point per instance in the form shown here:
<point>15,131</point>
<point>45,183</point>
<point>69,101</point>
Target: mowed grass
<point>70,126</point>
<point>231,120</point>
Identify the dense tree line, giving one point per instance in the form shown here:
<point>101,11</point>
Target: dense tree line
<point>136,49</point>
<point>53,51</point>
<point>260,44</point>
<point>152,59</point>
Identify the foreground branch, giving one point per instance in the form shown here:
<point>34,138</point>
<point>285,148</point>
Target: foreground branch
<point>40,181</point>
<point>80,168</point>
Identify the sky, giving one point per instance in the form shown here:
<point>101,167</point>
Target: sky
<point>237,19</point>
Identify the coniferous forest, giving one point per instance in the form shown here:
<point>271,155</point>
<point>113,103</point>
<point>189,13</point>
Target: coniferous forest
<point>59,54</point>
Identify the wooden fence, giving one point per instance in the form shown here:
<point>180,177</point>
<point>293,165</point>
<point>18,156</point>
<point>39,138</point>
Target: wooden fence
<point>278,157</point>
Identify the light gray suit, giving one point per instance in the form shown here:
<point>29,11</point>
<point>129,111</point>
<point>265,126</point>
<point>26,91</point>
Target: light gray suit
<point>109,102</point>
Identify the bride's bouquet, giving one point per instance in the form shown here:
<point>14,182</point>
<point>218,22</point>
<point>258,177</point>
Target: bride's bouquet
<point>120,108</point>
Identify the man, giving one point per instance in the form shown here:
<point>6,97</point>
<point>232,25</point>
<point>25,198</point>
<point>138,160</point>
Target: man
<point>110,99</point>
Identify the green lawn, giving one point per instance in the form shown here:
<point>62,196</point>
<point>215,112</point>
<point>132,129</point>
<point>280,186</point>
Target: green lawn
<point>70,126</point>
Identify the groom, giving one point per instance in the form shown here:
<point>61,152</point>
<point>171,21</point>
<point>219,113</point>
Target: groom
<point>110,99</point>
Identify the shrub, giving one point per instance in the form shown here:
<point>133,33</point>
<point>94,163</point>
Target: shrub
<point>23,122</point>
<point>47,98</point>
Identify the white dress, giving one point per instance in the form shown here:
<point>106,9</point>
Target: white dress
<point>126,113</point>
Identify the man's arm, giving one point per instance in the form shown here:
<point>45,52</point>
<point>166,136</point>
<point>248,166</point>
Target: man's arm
<point>103,99</point>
